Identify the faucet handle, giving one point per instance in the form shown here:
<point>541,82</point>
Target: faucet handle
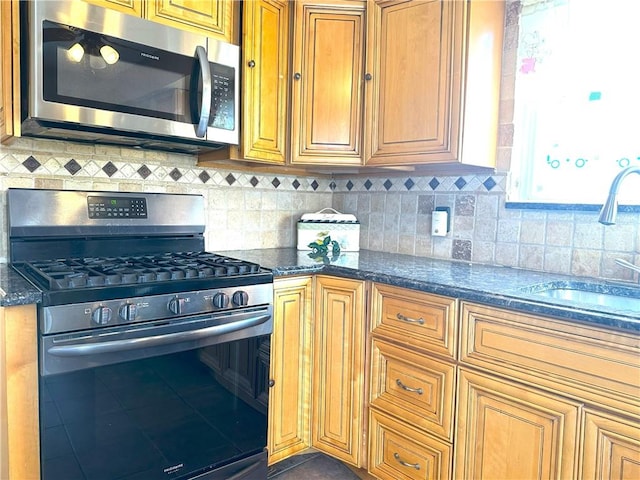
<point>629,265</point>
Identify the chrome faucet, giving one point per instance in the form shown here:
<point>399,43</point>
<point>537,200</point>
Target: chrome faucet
<point>610,207</point>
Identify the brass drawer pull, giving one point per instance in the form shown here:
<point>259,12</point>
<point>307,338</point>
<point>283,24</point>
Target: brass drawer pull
<point>419,391</point>
<point>406,464</point>
<point>419,321</point>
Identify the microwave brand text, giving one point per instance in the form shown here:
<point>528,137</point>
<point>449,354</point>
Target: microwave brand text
<point>148,55</point>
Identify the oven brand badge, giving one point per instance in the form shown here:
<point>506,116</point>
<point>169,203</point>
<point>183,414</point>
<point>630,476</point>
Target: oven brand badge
<point>173,469</point>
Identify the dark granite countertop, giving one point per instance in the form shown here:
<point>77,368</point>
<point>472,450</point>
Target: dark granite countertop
<point>491,285</point>
<point>15,290</point>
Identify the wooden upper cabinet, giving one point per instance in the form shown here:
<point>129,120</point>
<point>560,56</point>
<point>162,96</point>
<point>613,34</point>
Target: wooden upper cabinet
<point>9,70</point>
<point>132,7</point>
<point>265,45</point>
<point>327,73</point>
<point>213,18</point>
<point>434,92</point>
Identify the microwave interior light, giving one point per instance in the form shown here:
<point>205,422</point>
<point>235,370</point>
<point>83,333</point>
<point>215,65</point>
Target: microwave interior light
<point>109,54</point>
<point>75,53</point>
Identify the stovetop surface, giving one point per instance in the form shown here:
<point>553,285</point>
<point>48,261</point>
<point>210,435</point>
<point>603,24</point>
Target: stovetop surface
<point>99,278</point>
<point>94,272</point>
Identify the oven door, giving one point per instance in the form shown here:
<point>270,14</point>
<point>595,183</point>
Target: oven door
<point>181,403</point>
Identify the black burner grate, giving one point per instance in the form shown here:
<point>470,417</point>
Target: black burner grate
<point>103,271</point>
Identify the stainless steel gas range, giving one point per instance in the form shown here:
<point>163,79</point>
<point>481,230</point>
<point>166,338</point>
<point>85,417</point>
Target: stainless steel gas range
<point>152,350</point>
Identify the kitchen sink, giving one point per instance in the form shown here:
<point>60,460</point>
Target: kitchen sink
<point>615,296</point>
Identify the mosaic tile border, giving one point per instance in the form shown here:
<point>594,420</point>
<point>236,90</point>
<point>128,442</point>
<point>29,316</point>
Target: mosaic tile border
<point>132,171</point>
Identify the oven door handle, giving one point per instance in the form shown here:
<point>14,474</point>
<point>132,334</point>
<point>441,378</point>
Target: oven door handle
<point>154,340</point>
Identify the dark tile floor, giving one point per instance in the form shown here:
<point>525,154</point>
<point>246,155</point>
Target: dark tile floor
<point>311,466</point>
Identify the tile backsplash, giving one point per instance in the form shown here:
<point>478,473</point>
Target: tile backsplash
<point>246,210</point>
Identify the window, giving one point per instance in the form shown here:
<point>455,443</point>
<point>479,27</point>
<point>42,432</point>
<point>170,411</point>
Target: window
<point>577,101</point>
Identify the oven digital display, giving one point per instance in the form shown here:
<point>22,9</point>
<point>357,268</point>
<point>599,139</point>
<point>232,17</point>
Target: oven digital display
<point>117,207</point>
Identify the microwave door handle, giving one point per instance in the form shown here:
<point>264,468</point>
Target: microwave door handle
<point>205,107</point>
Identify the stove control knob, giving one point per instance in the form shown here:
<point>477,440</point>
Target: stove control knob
<point>176,305</point>
<point>221,300</point>
<point>128,312</point>
<point>240,298</point>
<point>101,315</point>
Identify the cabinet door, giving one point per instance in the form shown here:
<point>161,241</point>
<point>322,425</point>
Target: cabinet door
<point>19,425</point>
<point>214,18</point>
<point>338,368</point>
<point>414,50</point>
<point>433,96</point>
<point>265,72</point>
<point>611,447</point>
<point>9,70</point>
<point>510,431</point>
<point>328,62</point>
<point>132,7</point>
<point>290,365</point>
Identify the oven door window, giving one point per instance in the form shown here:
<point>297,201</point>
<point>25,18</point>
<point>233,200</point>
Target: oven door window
<point>96,71</point>
<point>173,416</point>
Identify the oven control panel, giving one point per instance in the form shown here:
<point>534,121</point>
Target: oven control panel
<point>166,307</point>
<point>117,207</point>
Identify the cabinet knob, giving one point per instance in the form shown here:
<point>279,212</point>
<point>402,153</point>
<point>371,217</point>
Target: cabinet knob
<point>272,382</point>
<point>297,76</point>
<point>368,76</point>
<point>251,64</point>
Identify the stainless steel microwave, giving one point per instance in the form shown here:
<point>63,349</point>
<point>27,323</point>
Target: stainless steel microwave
<point>95,75</point>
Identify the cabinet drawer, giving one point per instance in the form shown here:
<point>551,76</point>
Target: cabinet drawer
<point>594,364</point>
<point>412,387</point>
<point>416,319</point>
<point>399,452</point>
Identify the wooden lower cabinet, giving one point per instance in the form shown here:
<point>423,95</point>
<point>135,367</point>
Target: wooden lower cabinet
<point>611,447</point>
<point>509,431</point>
<point>290,368</point>
<point>412,384</point>
<point>338,368</point>
<point>19,418</point>
<point>398,451</point>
